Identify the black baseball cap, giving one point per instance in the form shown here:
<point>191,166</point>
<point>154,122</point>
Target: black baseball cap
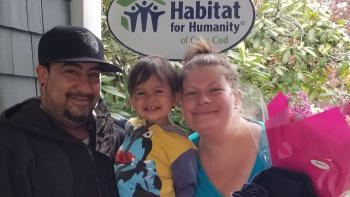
<point>72,44</point>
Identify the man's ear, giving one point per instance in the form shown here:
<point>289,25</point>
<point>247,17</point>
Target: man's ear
<point>42,74</point>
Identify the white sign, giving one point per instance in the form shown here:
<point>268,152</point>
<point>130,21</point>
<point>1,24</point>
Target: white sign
<point>166,28</point>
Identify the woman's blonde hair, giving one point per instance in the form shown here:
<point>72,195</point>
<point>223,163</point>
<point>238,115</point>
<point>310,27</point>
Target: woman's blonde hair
<point>200,54</point>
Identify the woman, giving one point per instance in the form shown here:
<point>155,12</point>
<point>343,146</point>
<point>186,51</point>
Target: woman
<point>230,147</point>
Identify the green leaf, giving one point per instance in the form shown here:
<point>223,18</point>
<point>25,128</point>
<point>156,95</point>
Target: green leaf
<point>242,55</point>
<point>285,57</point>
<point>160,2</point>
<point>273,33</point>
<point>344,70</point>
<point>310,51</point>
<point>282,49</point>
<point>120,114</point>
<point>311,36</point>
<point>278,70</point>
<point>233,56</point>
<point>125,3</point>
<point>256,42</point>
<point>125,22</point>
<point>113,90</point>
<point>299,75</point>
<point>268,46</point>
<point>325,48</point>
<point>105,78</point>
<point>257,64</point>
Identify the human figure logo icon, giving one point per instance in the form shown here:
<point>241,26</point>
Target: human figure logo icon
<point>141,13</point>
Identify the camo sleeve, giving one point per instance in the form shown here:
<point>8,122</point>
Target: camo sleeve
<point>109,131</point>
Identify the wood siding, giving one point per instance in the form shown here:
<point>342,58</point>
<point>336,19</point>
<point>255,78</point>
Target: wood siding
<point>22,22</point>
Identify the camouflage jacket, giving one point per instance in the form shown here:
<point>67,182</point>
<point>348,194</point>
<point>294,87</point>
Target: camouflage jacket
<point>109,131</point>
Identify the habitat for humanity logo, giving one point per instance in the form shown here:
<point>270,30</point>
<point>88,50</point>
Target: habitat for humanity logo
<point>167,27</point>
<point>138,14</point>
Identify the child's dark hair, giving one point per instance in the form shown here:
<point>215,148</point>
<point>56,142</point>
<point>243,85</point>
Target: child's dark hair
<point>147,66</point>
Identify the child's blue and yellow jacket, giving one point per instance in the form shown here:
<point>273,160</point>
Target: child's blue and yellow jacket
<point>155,161</point>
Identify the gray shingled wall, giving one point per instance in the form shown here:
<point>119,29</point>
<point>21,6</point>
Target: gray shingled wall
<point>22,22</point>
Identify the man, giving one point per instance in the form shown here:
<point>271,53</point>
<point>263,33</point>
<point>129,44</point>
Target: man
<point>47,145</point>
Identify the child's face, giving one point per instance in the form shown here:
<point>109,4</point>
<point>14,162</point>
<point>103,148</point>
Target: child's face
<point>153,100</point>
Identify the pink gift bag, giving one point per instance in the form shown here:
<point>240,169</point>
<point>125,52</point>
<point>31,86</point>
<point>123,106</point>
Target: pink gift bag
<point>318,146</point>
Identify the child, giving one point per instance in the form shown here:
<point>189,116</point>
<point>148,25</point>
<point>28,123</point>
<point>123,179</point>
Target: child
<point>156,158</point>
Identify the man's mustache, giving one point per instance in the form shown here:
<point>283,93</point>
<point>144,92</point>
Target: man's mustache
<point>80,94</point>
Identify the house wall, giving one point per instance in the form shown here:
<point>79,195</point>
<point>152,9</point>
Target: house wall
<point>22,22</point>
